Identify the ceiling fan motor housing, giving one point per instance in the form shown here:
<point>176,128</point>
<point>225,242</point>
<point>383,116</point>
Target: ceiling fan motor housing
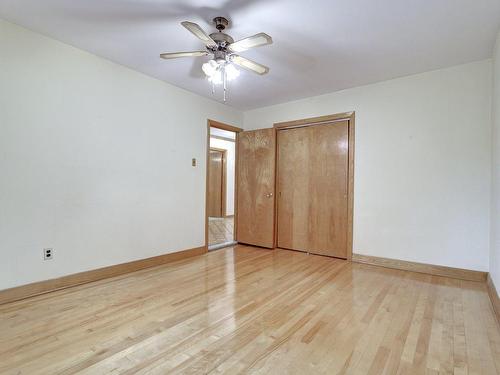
<point>220,55</point>
<point>222,39</point>
<point>221,23</point>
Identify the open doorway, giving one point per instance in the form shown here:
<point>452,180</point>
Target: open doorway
<point>221,185</point>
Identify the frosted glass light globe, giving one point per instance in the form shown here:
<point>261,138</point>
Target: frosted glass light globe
<point>231,72</point>
<point>210,68</point>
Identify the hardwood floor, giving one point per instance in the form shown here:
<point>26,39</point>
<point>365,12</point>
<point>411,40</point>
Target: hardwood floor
<point>220,230</point>
<point>248,310</point>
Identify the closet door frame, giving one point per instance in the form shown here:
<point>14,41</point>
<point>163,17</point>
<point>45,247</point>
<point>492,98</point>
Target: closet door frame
<point>350,118</point>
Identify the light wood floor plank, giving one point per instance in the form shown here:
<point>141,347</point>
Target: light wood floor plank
<point>248,310</point>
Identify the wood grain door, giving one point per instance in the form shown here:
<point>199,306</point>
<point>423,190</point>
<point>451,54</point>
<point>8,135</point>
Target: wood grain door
<point>313,189</point>
<point>215,183</point>
<point>293,189</point>
<point>255,186</point>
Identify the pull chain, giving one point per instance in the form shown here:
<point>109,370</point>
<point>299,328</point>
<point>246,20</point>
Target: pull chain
<point>224,78</point>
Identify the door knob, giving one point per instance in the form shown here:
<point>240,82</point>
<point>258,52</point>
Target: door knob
<point>269,195</point>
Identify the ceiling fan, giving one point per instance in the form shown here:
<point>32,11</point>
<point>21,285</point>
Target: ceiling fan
<point>224,50</point>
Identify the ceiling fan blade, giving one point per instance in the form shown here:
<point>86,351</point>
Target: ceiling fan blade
<point>199,33</point>
<point>249,64</point>
<point>175,55</point>
<point>257,40</point>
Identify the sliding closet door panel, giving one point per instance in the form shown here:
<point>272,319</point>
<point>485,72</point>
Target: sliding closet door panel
<point>256,179</point>
<point>313,189</point>
<point>293,189</point>
<point>328,165</point>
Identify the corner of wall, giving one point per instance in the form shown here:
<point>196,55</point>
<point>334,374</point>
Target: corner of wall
<point>495,172</point>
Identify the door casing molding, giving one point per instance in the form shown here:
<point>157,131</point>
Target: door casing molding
<point>236,130</point>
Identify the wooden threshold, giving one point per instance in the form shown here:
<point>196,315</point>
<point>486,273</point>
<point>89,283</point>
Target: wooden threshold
<point>46,286</point>
<point>494,297</point>
<point>456,273</point>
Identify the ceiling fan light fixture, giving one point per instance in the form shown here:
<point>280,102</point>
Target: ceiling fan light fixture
<point>231,71</point>
<point>216,72</point>
<point>216,79</point>
<point>222,67</point>
<point>210,68</point>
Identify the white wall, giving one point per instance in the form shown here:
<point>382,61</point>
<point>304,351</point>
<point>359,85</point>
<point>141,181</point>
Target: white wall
<point>95,161</point>
<point>495,201</point>
<point>91,163</point>
<point>422,163</point>
<point>230,147</point>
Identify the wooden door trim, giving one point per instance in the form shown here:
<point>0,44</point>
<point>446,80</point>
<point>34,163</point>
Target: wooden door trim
<point>345,116</point>
<point>236,130</point>
<point>315,120</point>
<point>224,179</point>
<point>221,125</point>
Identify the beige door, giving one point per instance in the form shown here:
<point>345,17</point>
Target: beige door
<point>256,177</point>
<point>215,180</point>
<point>313,189</point>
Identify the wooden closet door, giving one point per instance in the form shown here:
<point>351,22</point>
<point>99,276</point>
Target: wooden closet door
<point>293,189</point>
<point>328,162</point>
<point>256,177</point>
<point>313,189</point>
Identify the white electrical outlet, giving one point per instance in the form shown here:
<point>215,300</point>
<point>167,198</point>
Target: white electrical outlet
<point>48,253</point>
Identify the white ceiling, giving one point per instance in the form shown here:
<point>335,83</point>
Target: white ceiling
<point>319,46</point>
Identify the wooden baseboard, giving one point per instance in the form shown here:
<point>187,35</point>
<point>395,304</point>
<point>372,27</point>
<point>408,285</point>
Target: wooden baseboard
<point>46,286</point>
<point>456,273</point>
<point>494,297</point>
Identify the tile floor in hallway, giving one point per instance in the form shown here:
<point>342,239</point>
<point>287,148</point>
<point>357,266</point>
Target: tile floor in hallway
<point>220,230</point>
